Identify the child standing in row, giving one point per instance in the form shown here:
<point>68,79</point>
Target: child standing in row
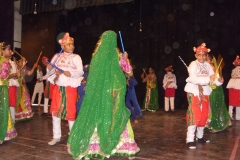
<point>150,102</point>
<point>169,84</point>
<point>234,89</point>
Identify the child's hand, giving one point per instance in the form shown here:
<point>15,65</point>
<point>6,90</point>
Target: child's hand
<point>125,55</point>
<point>221,79</point>
<point>67,73</point>
<point>18,74</point>
<point>200,88</point>
<point>168,83</point>
<point>212,77</point>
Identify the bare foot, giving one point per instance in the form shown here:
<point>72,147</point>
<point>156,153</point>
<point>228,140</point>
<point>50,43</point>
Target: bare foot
<point>135,121</point>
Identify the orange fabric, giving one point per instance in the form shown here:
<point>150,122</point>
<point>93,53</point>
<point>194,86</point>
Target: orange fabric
<point>195,115</point>
<point>57,106</point>
<point>51,90</point>
<point>12,93</point>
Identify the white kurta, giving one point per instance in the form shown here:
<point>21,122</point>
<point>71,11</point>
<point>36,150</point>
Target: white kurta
<point>170,77</point>
<point>13,81</point>
<point>234,82</point>
<point>39,85</point>
<point>199,74</point>
<point>68,62</point>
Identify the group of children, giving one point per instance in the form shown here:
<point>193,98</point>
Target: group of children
<point>207,109</point>
<point>15,93</point>
<point>150,102</point>
<point>108,130</point>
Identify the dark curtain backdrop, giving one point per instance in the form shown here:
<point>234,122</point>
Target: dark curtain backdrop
<point>6,22</point>
<point>170,28</point>
<point>38,35</point>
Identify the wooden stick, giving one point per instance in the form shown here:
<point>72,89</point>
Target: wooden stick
<point>144,71</point>
<point>17,53</point>
<point>219,65</point>
<point>39,57</point>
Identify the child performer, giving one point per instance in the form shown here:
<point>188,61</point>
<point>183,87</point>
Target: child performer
<point>13,87</point>
<point>102,128</point>
<point>7,130</point>
<point>24,110</point>
<point>131,98</point>
<point>198,91</point>
<point>150,102</point>
<point>64,94</point>
<point>234,89</point>
<point>81,89</point>
<point>169,84</point>
<point>38,88</point>
<point>219,118</point>
<point>47,90</point>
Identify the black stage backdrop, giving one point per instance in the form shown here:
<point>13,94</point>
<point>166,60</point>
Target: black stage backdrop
<point>169,28</point>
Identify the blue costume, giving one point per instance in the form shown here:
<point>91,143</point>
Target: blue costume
<point>81,91</point>
<point>131,98</point>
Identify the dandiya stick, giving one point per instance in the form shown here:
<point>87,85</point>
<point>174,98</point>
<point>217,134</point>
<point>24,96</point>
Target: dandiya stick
<point>182,61</point>
<point>144,70</point>
<point>57,56</point>
<point>219,65</point>
<point>17,53</point>
<point>23,66</point>
<point>39,56</point>
<point>121,41</point>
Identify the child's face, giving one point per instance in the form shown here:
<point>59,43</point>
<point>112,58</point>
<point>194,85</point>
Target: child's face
<point>201,57</point>
<point>69,48</point>
<point>7,52</point>
<point>20,63</point>
<point>150,70</point>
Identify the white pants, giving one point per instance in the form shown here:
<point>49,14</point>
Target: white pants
<point>45,107</point>
<point>166,106</point>
<point>12,112</point>
<point>57,133</point>
<point>38,89</point>
<point>237,112</point>
<point>191,133</point>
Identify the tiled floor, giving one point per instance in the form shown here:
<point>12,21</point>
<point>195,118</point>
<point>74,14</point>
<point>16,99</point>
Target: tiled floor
<point>161,136</point>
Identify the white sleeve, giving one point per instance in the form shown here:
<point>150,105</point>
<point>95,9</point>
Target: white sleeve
<point>164,81</point>
<point>79,72</point>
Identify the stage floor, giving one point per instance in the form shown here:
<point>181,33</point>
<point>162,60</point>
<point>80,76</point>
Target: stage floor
<point>160,136</point>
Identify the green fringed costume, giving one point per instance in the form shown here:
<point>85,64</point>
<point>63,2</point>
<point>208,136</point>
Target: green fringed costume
<point>219,118</point>
<point>7,130</point>
<point>102,127</point>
